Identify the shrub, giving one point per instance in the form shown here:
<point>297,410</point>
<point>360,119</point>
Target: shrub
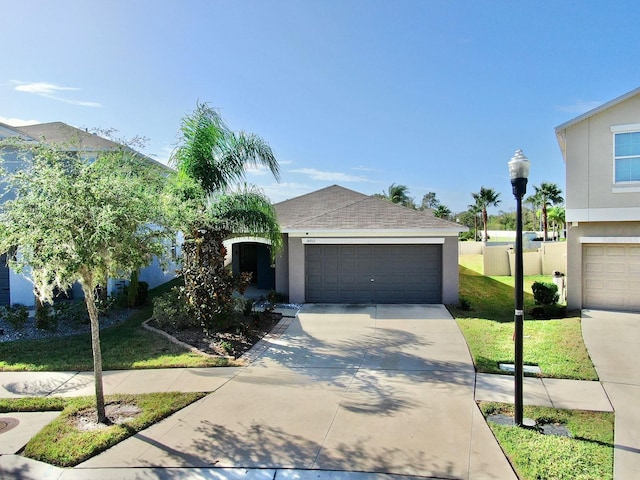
<point>277,297</point>
<point>465,305</point>
<point>545,293</point>
<point>143,293</point>
<point>466,236</point>
<point>247,308</point>
<point>46,318</point>
<point>73,312</point>
<point>170,311</point>
<point>132,290</point>
<point>16,315</point>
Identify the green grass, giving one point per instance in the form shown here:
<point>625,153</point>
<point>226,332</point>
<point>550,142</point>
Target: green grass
<point>586,456</point>
<point>32,404</point>
<point>125,346</point>
<point>61,443</point>
<point>555,345</point>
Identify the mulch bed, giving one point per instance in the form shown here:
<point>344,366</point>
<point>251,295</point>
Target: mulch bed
<point>234,341</point>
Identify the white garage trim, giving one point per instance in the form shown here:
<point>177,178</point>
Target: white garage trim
<point>609,239</point>
<point>373,241</point>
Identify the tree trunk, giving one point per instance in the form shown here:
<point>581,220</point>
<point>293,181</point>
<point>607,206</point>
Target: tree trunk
<point>544,221</point>
<point>475,225</point>
<point>484,221</point>
<point>88,289</point>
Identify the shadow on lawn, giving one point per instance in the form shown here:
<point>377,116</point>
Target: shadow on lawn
<point>489,298</point>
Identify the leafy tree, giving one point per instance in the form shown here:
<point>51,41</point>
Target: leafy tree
<point>211,160</point>
<point>485,198</point>
<point>503,220</point>
<point>546,194</point>
<point>429,201</point>
<point>398,194</point>
<point>73,221</point>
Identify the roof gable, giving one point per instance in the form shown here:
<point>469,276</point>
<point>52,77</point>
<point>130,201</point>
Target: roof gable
<point>561,129</point>
<point>295,210</point>
<point>597,110</point>
<point>66,136</point>
<point>59,133</point>
<point>338,208</point>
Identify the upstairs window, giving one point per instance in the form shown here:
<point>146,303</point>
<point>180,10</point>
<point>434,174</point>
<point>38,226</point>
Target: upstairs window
<point>627,157</point>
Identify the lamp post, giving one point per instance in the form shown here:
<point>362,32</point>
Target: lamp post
<point>519,172</point>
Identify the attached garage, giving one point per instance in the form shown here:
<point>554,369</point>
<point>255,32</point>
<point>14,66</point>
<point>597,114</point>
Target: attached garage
<point>341,246</point>
<point>611,276</point>
<point>373,273</point>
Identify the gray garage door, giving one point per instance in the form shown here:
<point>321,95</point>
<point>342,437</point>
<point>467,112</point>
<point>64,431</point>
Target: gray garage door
<point>373,273</point>
<point>4,281</point>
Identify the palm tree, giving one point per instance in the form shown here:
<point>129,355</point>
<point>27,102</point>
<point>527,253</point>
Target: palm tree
<point>555,215</point>
<point>442,211</point>
<point>485,198</point>
<point>545,195</point>
<point>211,160</point>
<point>398,194</point>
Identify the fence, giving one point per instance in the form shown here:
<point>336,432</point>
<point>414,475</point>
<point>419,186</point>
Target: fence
<point>547,258</point>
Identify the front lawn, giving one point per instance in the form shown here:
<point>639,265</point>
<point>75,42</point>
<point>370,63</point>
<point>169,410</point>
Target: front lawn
<point>125,346</point>
<point>71,438</point>
<point>554,345</point>
<point>586,455</point>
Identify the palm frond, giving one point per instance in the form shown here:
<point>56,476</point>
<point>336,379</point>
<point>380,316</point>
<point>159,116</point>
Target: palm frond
<point>247,211</point>
<point>216,156</point>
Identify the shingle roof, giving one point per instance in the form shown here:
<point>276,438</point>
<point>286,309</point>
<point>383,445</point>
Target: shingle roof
<point>59,133</point>
<point>338,208</point>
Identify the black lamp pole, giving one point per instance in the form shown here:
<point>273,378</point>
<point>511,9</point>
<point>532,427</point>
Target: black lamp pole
<point>519,170</point>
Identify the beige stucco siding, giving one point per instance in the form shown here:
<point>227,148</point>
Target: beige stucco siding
<point>590,166</point>
<point>450,271</point>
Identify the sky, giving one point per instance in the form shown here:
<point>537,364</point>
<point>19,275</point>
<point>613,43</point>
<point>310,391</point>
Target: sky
<point>434,95</point>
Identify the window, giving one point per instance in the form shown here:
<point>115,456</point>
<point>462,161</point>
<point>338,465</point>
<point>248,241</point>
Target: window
<point>627,157</point>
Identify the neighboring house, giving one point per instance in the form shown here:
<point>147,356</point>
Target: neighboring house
<point>601,150</point>
<point>341,246</point>
<point>16,288</point>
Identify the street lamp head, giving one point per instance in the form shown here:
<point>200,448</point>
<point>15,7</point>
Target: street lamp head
<point>519,166</point>
<point>519,172</point>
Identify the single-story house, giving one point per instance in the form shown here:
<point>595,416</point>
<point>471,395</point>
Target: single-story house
<point>342,246</point>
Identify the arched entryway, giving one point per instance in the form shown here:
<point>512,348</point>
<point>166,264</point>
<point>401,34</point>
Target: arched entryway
<point>253,255</point>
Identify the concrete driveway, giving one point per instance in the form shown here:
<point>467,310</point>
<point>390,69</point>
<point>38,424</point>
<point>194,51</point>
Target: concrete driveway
<point>383,388</point>
<point>613,341</point>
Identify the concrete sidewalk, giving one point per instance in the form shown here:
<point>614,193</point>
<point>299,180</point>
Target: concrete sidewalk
<point>378,389</point>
